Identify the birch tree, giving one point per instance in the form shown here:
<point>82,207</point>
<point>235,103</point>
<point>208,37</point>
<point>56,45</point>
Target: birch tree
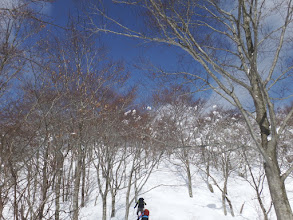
<point>239,46</point>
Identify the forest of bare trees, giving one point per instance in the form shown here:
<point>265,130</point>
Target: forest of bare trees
<point>240,47</point>
<point>71,128</point>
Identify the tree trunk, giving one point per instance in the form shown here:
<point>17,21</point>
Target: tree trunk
<point>127,207</point>
<point>207,159</point>
<point>104,207</point>
<point>83,181</point>
<point>67,182</point>
<point>128,192</point>
<point>57,199</point>
<point>278,192</point>
<point>15,205</point>
<point>76,188</point>
<point>189,179</point>
<point>45,184</point>
<point>113,204</point>
<point>272,169</point>
<point>59,158</point>
<point>224,192</point>
<point>1,206</point>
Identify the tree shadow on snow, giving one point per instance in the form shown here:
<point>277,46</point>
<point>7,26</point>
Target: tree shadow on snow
<point>213,206</point>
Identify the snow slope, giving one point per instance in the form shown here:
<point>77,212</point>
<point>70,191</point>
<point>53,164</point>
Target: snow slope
<point>167,198</point>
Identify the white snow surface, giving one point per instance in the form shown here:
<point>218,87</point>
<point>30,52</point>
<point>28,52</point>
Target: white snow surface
<point>167,198</point>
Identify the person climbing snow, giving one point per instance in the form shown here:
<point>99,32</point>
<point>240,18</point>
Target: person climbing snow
<point>140,203</point>
<point>144,215</point>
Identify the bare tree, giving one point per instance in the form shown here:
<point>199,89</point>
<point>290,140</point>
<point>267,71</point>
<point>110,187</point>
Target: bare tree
<point>145,153</point>
<point>223,139</point>
<point>138,173</point>
<point>257,183</point>
<point>20,21</point>
<point>226,170</point>
<point>234,41</point>
<point>83,79</point>
<point>14,152</point>
<point>107,153</point>
<point>179,111</point>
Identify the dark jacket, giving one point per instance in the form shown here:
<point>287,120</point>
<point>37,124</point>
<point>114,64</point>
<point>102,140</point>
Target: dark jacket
<point>140,203</point>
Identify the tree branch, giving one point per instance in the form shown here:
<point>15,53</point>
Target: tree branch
<point>286,174</point>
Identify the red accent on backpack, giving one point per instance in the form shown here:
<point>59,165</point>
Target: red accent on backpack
<point>146,212</point>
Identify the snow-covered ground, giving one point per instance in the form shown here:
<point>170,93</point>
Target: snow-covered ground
<point>167,198</point>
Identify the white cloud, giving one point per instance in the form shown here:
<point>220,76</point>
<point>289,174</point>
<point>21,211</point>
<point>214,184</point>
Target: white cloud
<point>273,17</point>
<point>45,7</point>
<point>8,3</point>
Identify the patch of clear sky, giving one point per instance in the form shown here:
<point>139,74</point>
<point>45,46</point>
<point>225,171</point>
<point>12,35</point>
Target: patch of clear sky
<point>129,50</point>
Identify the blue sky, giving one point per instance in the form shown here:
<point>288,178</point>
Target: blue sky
<point>123,48</point>
<point>129,49</point>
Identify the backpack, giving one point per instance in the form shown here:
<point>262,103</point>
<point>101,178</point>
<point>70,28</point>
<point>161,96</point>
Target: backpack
<point>146,212</point>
